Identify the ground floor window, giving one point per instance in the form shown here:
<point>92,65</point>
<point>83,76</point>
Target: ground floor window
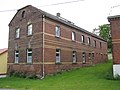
<point>57,55</point>
<point>74,57</point>
<point>83,57</point>
<point>16,56</point>
<point>29,55</point>
<point>89,56</point>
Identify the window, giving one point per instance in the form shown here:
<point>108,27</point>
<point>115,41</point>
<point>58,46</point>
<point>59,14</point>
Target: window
<point>89,41</point>
<point>29,31</point>
<point>29,55</point>
<point>89,57</point>
<point>100,45</point>
<point>73,36</point>
<point>93,56</point>
<point>57,55</point>
<point>94,43</point>
<point>83,38</point>
<point>17,33</point>
<point>74,57</point>
<point>83,57</point>
<point>57,30</point>
<point>23,14</point>
<point>16,56</point>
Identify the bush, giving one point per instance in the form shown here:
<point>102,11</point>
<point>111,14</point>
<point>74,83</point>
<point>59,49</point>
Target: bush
<point>109,76</point>
<point>22,75</point>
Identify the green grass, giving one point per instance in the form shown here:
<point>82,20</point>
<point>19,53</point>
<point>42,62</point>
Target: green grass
<point>87,78</point>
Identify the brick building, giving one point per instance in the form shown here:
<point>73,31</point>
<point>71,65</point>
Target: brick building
<point>115,33</point>
<point>42,43</point>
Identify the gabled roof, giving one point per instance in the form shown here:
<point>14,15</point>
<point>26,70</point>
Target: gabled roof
<point>3,50</point>
<point>61,20</point>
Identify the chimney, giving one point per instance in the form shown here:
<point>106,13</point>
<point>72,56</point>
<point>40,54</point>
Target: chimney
<point>58,14</point>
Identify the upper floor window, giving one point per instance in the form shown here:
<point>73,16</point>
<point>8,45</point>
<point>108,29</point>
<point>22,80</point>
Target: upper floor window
<point>57,55</point>
<point>94,43</point>
<point>29,29</point>
<point>83,38</point>
<point>17,33</point>
<point>16,56</point>
<point>57,31</point>
<point>89,41</point>
<point>73,36</point>
<point>100,45</point>
<point>29,55</point>
<point>74,57</point>
<point>23,14</point>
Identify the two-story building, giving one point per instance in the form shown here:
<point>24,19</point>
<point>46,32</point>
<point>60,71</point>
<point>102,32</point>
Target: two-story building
<point>42,43</point>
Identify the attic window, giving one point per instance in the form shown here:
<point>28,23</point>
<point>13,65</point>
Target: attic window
<point>23,14</point>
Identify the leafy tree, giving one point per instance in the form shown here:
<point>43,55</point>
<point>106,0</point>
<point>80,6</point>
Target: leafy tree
<point>105,34</point>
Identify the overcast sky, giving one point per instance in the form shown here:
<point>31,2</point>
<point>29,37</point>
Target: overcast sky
<point>87,14</point>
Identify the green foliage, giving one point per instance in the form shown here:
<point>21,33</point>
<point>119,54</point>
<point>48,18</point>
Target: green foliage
<point>86,78</point>
<point>105,31</point>
<point>22,75</point>
<point>105,34</point>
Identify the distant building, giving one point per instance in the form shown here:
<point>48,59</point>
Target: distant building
<point>42,43</point>
<point>3,61</point>
<point>115,33</point>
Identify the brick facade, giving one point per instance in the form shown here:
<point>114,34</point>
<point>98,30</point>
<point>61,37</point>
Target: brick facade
<point>115,33</point>
<point>44,43</point>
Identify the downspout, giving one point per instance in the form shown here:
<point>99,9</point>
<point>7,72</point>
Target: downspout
<point>43,66</point>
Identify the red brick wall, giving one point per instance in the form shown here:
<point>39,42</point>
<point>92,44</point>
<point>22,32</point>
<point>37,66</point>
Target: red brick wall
<point>115,31</point>
<point>64,43</point>
<point>31,17</point>
<point>67,46</point>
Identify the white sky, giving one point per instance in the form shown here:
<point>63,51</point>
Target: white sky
<point>87,14</point>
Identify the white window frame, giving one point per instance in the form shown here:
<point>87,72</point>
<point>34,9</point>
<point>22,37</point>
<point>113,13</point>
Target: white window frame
<point>57,55</point>
<point>29,58</point>
<point>83,57</point>
<point>29,29</point>
<point>16,56</point>
<point>17,33</point>
<point>73,36</point>
<point>89,41</point>
<point>57,31</point>
<point>74,57</point>
<point>83,38</point>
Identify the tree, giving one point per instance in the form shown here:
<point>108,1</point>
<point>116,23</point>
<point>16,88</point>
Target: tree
<point>104,32</point>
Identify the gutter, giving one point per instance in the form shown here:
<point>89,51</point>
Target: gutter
<point>43,66</point>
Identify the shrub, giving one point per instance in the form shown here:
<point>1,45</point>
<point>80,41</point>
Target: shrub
<point>22,75</point>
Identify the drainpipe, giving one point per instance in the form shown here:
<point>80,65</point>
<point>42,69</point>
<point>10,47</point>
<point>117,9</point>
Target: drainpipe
<point>43,66</point>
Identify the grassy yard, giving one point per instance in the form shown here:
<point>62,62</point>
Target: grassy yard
<point>87,78</point>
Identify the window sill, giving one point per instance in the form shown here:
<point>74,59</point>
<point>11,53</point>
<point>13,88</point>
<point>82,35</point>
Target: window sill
<point>17,38</point>
<point>84,63</point>
<point>29,35</point>
<point>57,37</point>
<point>16,63</point>
<point>58,63</point>
<point>83,43</point>
<point>29,63</point>
<point>74,62</point>
<point>73,40</point>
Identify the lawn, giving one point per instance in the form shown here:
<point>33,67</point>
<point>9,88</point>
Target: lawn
<point>87,78</point>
